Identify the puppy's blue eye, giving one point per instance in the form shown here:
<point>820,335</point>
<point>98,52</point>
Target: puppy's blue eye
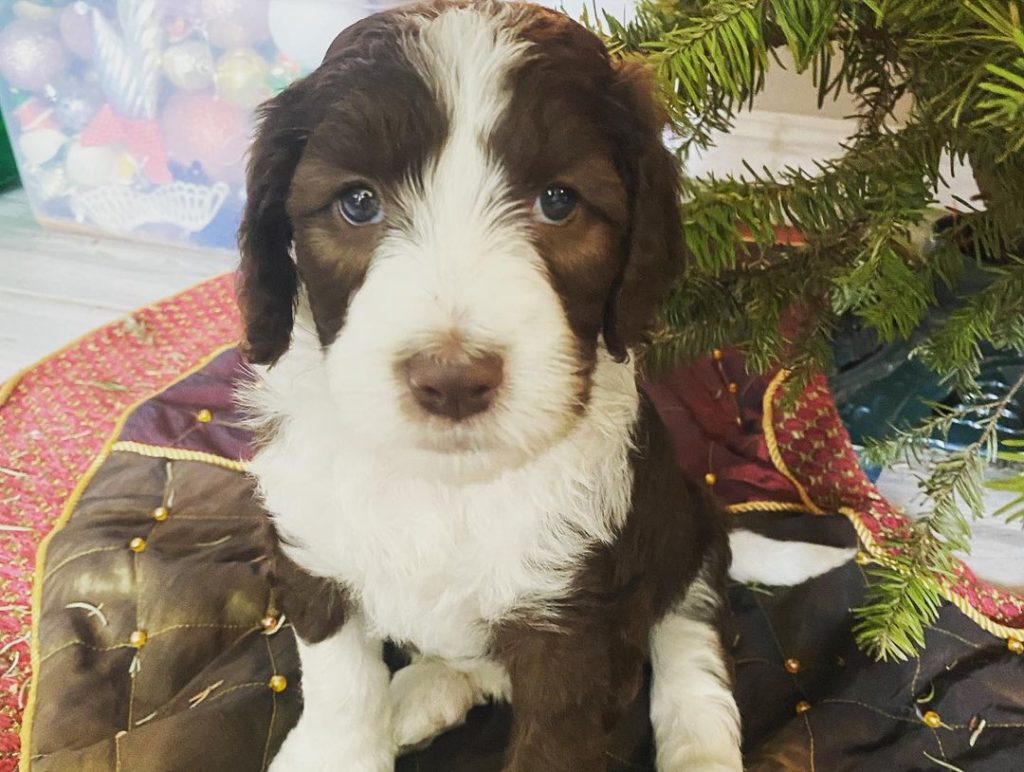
<point>360,205</point>
<point>556,203</point>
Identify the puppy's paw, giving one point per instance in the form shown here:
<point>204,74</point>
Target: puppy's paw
<point>309,749</point>
<point>706,760</point>
<point>427,698</point>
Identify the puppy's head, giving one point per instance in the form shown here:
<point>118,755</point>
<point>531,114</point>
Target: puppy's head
<point>477,206</point>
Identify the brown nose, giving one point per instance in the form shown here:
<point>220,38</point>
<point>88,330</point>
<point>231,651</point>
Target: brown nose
<point>454,389</point>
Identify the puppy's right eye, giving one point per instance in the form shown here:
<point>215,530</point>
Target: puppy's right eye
<point>556,204</point>
<point>360,205</point>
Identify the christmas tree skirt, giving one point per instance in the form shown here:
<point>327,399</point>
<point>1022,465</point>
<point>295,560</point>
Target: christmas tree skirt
<point>155,644</point>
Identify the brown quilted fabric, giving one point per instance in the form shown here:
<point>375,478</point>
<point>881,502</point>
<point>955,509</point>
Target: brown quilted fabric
<point>153,657</point>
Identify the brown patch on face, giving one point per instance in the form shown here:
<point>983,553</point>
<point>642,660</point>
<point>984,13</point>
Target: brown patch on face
<point>381,125</point>
<point>364,114</point>
<point>332,254</point>
<point>554,132</point>
<point>583,254</point>
<point>579,255</point>
<point>580,120</point>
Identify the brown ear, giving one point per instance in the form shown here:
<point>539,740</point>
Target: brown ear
<point>268,285</point>
<point>655,243</point>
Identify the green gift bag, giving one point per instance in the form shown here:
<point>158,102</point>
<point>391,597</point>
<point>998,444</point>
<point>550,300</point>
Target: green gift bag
<point>8,171</point>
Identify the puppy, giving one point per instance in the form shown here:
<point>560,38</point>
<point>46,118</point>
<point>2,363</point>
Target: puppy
<point>457,229</point>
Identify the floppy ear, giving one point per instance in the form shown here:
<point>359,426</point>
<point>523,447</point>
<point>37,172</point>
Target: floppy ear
<point>268,286</point>
<point>655,246</point>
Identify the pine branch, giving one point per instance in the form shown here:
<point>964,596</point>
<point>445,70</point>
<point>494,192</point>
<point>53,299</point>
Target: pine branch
<point>864,217</point>
<point>994,315</point>
<point>900,604</point>
<point>905,594</point>
<point>1014,509</point>
<point>1004,108</point>
<point>710,58</point>
<point>955,482</point>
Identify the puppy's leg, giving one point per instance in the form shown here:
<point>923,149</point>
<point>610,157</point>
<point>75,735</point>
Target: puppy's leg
<point>571,685</point>
<point>693,711</point>
<point>346,715</point>
<point>430,696</point>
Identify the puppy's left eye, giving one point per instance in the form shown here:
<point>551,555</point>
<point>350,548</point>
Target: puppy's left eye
<point>556,203</point>
<point>360,205</point>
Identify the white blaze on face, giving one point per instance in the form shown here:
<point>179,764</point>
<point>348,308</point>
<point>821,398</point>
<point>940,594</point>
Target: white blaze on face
<point>457,262</point>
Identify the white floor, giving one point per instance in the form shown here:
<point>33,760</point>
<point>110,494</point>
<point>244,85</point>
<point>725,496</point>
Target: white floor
<point>55,286</point>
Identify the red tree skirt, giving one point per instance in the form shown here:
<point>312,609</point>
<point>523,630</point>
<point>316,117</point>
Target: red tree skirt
<point>55,418</point>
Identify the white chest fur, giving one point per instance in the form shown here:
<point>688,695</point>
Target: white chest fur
<point>434,562</point>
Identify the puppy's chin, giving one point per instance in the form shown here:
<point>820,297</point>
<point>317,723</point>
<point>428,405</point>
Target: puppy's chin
<point>463,468</point>
<point>475,452</point>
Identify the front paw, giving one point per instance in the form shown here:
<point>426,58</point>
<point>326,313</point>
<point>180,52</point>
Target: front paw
<point>334,748</point>
<point>427,698</point>
<point>726,759</point>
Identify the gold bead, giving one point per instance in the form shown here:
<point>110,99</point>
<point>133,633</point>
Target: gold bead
<point>802,707</point>
<point>932,719</point>
<point>862,558</point>
<point>710,478</point>
<point>717,353</point>
<point>204,416</point>
<point>161,513</point>
<point>277,683</point>
<point>792,665</point>
<point>1016,645</point>
<point>137,544</point>
<point>733,388</point>
<point>268,622</point>
<point>138,638</point>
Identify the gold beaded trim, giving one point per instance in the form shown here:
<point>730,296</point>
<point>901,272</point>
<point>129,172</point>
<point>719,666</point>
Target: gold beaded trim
<point>178,454</point>
<point>767,506</point>
<point>768,422</point>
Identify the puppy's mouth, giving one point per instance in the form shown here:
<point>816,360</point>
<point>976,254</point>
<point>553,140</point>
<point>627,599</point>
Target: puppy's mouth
<point>449,438</point>
<point>487,443</point>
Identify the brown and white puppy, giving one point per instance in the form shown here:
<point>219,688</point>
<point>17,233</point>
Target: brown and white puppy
<point>457,228</point>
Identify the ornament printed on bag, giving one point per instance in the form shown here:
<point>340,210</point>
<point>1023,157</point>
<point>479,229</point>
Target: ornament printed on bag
<point>129,63</point>
<point>76,100</point>
<point>31,55</point>
<point>75,25</point>
<point>116,101</point>
<point>189,65</point>
<point>242,77</point>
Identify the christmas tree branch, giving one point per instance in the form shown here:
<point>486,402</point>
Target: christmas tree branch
<point>902,600</point>
<point>994,315</point>
<point>709,58</point>
<point>1012,510</point>
<point>864,218</point>
<point>866,249</point>
<point>904,596</point>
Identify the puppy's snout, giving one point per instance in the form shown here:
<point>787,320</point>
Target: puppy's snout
<point>455,389</point>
